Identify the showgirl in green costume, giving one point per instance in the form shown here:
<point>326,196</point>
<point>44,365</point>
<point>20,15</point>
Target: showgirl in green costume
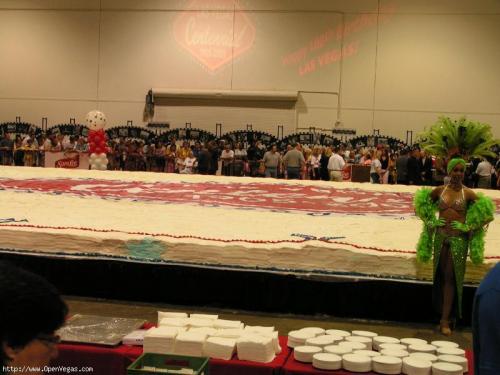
<point>463,217</point>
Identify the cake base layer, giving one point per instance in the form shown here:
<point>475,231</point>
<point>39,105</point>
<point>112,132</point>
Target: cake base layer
<point>301,227</point>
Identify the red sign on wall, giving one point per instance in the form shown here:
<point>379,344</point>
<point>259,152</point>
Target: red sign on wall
<point>215,32</point>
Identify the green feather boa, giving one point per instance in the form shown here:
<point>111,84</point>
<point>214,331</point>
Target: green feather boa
<point>479,214</point>
<point>426,210</point>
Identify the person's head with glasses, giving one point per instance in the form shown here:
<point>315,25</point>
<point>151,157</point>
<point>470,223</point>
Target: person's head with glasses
<point>31,310</point>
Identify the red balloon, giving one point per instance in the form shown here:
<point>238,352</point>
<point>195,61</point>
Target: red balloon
<point>98,150</point>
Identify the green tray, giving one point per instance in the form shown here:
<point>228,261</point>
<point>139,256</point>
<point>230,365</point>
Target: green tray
<point>150,363</point>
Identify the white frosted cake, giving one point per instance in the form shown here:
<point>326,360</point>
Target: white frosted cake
<point>224,222</point>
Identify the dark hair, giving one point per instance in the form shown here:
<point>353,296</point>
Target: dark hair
<point>30,306</point>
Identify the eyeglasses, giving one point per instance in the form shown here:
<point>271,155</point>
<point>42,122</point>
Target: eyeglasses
<point>49,339</point>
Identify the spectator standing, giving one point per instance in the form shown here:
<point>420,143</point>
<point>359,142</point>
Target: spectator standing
<point>6,149</point>
<point>323,163</point>
<point>414,176</point>
<point>227,157</point>
<point>204,160</point>
<point>336,164</point>
<point>271,162</point>
<point>484,171</point>
<point>402,167</point>
<point>293,162</point>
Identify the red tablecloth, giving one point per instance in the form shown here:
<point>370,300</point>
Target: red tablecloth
<point>292,367</point>
<point>114,361</point>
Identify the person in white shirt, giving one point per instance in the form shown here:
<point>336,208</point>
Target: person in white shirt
<point>335,166</point>
<point>189,164</point>
<point>484,171</point>
<point>227,157</point>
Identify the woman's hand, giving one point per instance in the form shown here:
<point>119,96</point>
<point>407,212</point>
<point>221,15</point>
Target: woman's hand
<point>460,226</point>
<point>434,223</point>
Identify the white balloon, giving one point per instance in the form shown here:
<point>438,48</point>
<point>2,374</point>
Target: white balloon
<point>103,167</point>
<point>95,120</point>
<point>93,157</point>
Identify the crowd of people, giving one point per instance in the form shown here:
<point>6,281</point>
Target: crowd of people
<point>399,165</point>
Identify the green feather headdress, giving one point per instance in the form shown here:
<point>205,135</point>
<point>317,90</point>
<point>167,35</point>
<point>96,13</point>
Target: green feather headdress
<point>460,137</point>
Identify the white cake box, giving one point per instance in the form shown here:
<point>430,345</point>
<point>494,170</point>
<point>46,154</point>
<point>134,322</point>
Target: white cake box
<point>171,314</point>
<point>190,344</point>
<point>305,353</point>
<point>416,366</point>
<point>337,349</point>
<point>321,341</point>
<point>443,368</point>
<point>456,359</point>
<point>450,351</point>
<point>195,322</point>
<point>327,361</point>
<point>160,340</point>
<point>230,333</point>
<point>222,324</point>
<point>337,332</point>
<point>366,341</point>
<point>219,347</point>
<point>255,348</point>
<point>379,340</point>
<point>259,329</point>
<point>356,363</point>
<point>209,331</point>
<point>422,348</point>
<point>204,316</point>
<point>387,365</point>
<point>173,322</point>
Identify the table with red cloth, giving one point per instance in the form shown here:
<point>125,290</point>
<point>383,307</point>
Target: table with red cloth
<point>115,360</point>
<point>293,367</point>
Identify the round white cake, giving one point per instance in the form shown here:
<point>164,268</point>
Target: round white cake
<point>379,340</point>
<point>327,361</point>
<point>416,366</point>
<point>305,353</point>
<point>451,351</point>
<point>356,363</point>
<point>443,368</point>
<point>456,359</point>
<point>321,341</point>
<point>337,332</point>
<point>387,365</point>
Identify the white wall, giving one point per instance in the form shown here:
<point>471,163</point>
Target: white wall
<point>406,61</point>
